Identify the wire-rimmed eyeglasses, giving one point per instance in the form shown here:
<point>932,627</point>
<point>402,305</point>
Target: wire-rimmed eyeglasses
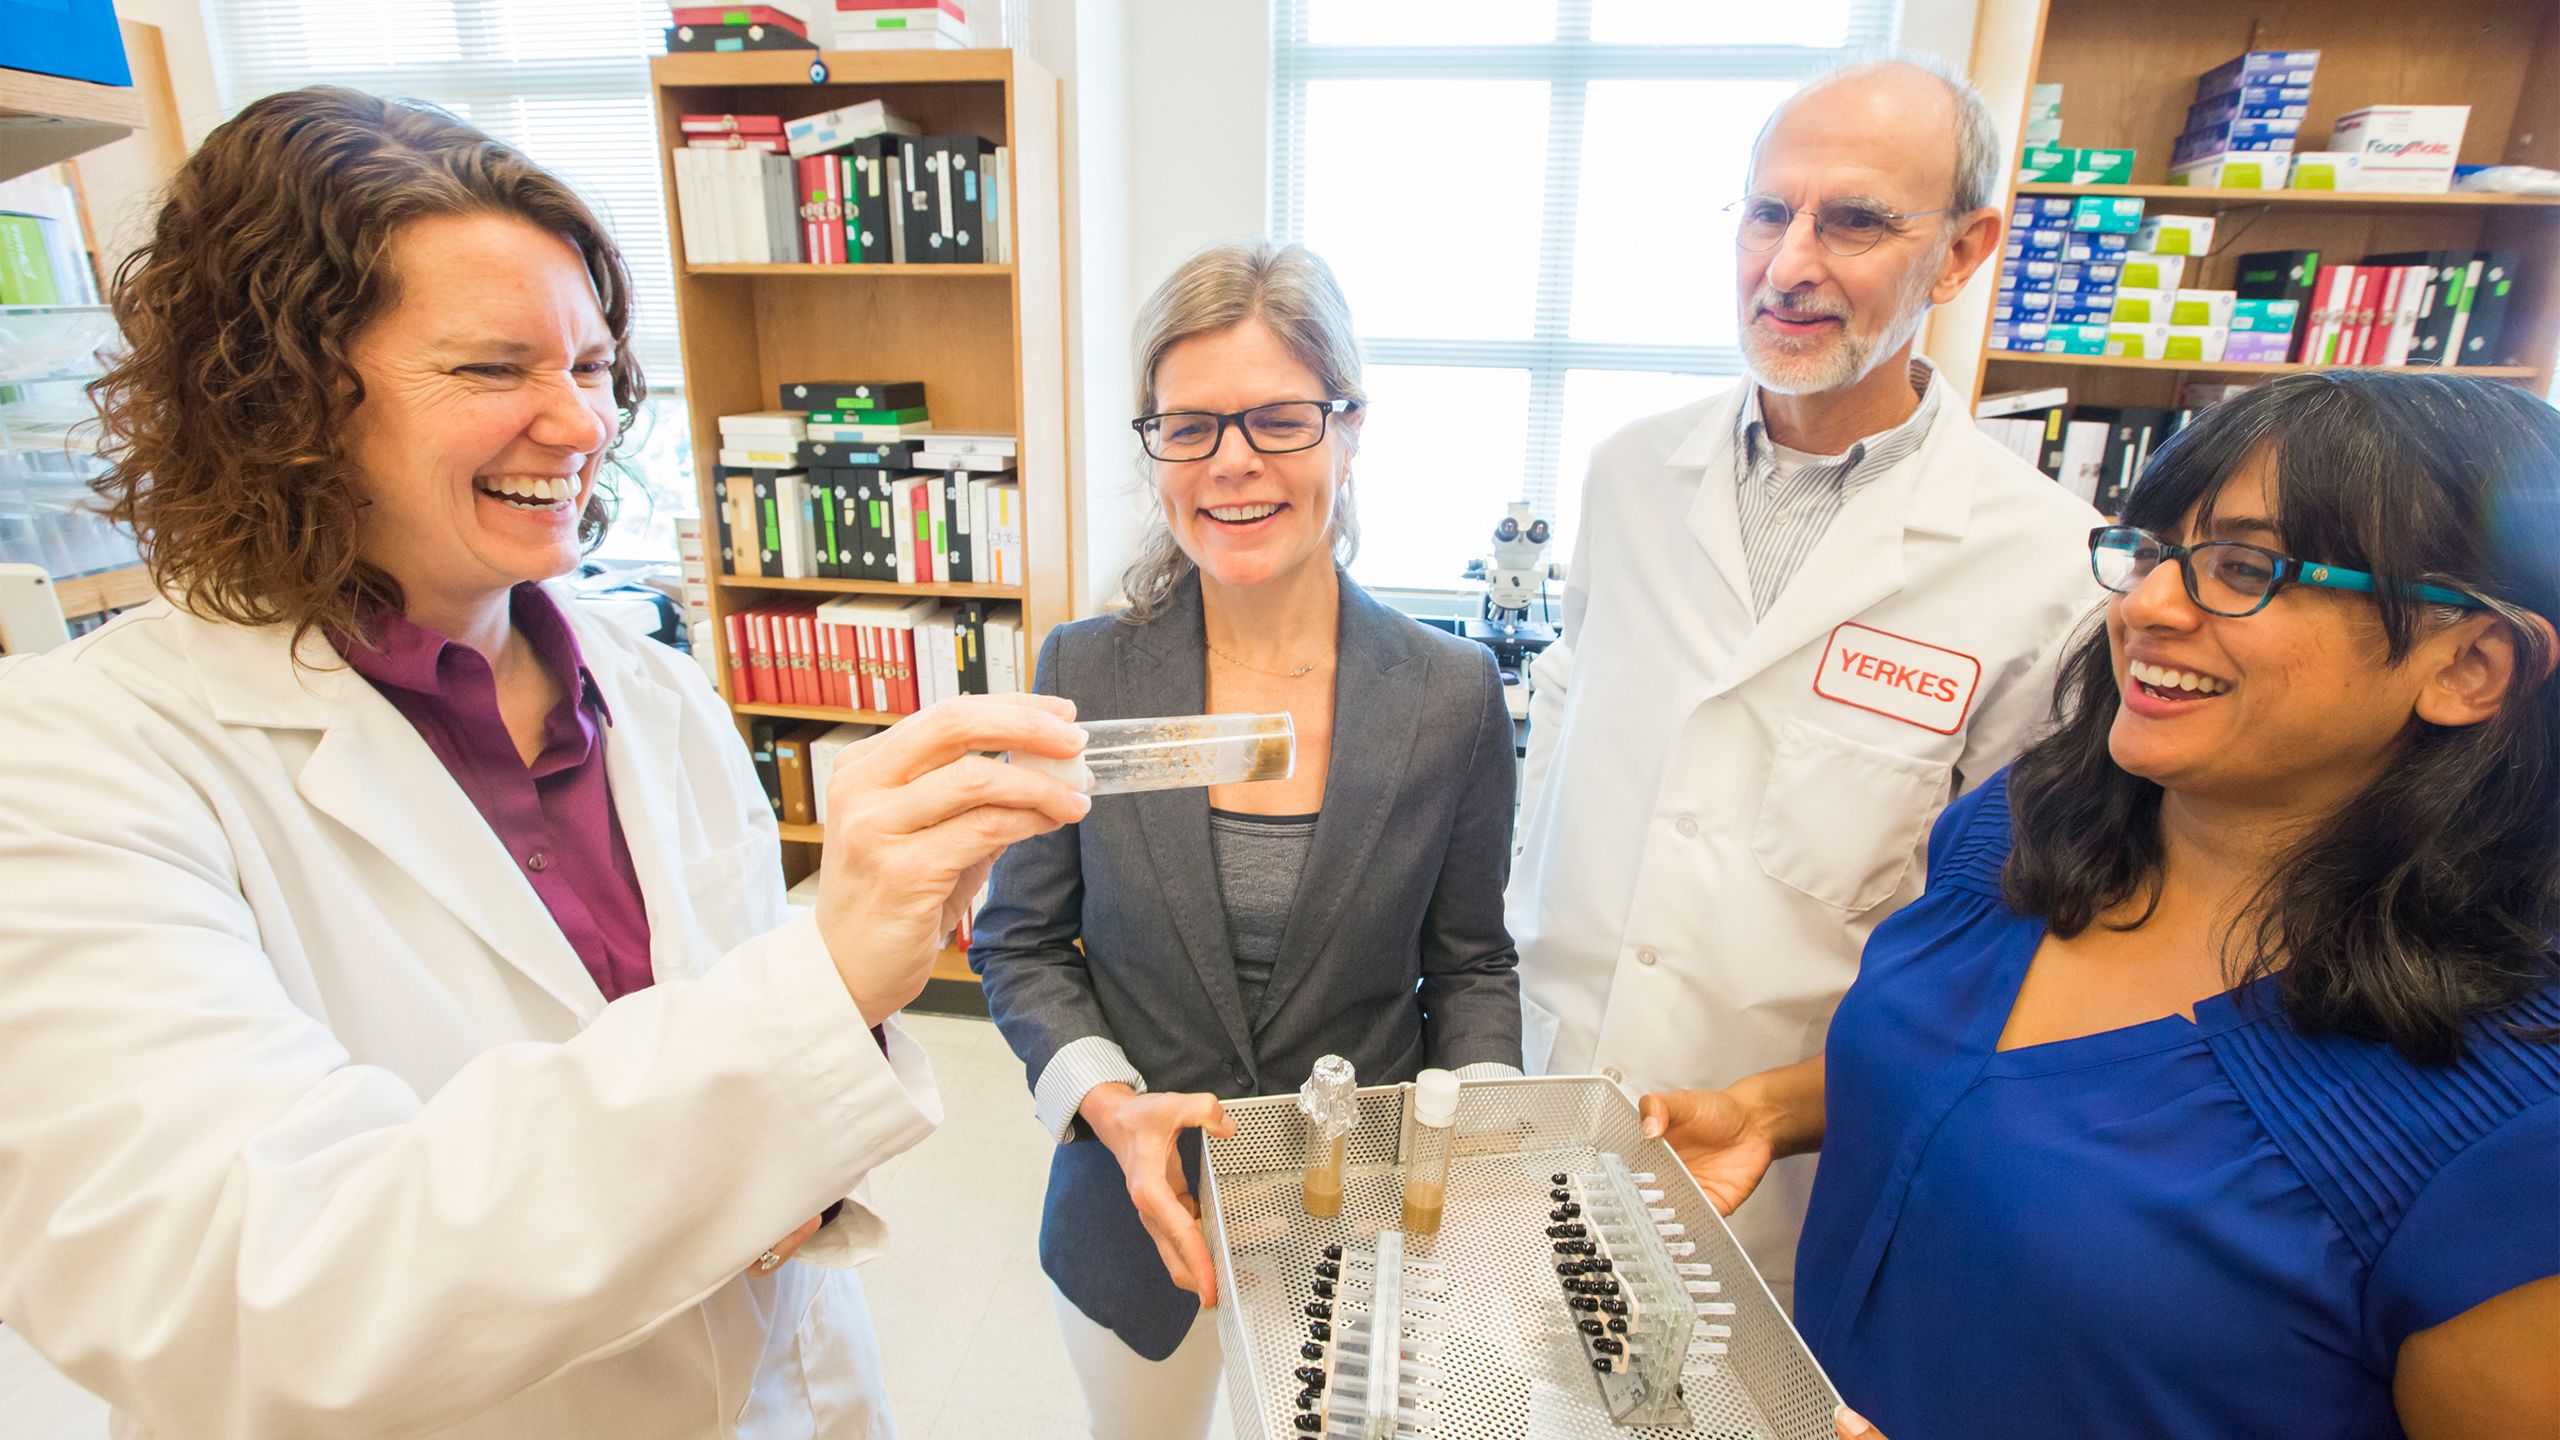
<point>1280,428</point>
<point>2230,578</point>
<point>1846,225</point>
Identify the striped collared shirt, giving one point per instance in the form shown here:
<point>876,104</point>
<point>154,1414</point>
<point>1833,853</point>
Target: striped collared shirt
<point>1786,508</point>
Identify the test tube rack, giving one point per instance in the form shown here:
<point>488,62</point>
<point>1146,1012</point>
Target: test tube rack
<point>1511,1361</point>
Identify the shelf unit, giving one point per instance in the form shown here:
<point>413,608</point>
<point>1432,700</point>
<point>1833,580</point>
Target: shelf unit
<point>2128,70</point>
<point>988,341</point>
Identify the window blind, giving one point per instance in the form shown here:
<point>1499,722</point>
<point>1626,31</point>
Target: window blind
<point>1524,202</point>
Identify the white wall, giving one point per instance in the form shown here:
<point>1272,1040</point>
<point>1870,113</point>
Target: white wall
<point>1172,110</point>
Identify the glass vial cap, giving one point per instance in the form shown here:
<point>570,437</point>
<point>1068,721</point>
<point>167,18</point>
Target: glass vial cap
<point>1435,1098</point>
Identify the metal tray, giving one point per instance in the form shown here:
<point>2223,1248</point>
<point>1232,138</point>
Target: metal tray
<point>1512,1365</point>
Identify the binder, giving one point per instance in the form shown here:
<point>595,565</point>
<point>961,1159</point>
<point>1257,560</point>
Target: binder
<point>958,544</point>
<point>760,737</point>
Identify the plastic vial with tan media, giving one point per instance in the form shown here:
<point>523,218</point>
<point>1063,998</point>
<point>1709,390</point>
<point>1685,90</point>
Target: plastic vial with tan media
<point>1175,752</point>
<point>1430,1131</point>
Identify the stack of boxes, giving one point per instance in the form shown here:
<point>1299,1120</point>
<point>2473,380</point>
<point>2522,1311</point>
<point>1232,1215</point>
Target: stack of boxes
<point>2158,316</point>
<point>2059,271</point>
<point>2247,113</point>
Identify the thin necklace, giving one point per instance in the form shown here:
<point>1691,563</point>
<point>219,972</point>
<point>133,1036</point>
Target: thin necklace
<point>1299,673</point>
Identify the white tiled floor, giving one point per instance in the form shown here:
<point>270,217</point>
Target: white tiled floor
<point>966,1332</point>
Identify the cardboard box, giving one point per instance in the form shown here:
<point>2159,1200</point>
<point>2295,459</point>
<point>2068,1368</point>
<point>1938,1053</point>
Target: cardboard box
<point>2404,148</point>
<point>2264,317</point>
<point>2090,339</point>
<point>2257,347</point>
<point>2051,163</point>
<point>2143,307</point>
<point>2101,167</point>
<point>2196,342</point>
<point>2113,214</point>
<point>2235,170</point>
<point>2325,170</point>
<point>2264,103</point>
<point>2176,235</point>
<point>2086,247</point>
<point>2149,270</point>
<point>2202,307</point>
<point>2259,67</point>
<point>2138,342</point>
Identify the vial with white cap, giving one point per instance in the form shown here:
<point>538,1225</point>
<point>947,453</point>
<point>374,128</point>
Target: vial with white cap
<point>1431,1128</point>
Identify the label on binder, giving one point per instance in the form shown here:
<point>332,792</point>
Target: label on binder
<point>1907,680</point>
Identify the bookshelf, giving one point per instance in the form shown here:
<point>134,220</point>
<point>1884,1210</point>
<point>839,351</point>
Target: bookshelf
<point>2128,70</point>
<point>988,340</point>
<point>45,118</point>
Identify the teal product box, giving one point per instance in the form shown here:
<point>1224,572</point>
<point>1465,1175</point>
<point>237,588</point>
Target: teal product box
<point>2047,163</point>
<point>2086,339</point>
<point>2271,317</point>
<point>2099,166</point>
<point>2109,214</point>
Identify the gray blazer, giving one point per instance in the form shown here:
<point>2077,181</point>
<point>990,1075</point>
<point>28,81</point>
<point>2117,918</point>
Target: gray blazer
<point>1395,955</point>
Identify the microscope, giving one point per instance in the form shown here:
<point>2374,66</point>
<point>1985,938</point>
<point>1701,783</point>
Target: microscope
<point>1515,579</point>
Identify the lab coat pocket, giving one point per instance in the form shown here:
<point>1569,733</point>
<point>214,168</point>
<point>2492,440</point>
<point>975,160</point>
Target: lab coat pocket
<point>723,890</point>
<point>1842,821</point>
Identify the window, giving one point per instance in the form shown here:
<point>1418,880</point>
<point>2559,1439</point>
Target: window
<point>564,81</point>
<point>1524,201</point>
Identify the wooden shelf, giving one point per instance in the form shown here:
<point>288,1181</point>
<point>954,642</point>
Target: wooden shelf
<point>2247,367</point>
<point>866,68</point>
<point>45,118</point>
<point>856,272</point>
<point>2345,199</point>
<point>104,590</point>
<point>953,591</point>
<point>817,712</point>
<point>801,834</point>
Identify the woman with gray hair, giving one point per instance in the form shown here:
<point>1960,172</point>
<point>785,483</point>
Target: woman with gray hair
<point>1185,945</point>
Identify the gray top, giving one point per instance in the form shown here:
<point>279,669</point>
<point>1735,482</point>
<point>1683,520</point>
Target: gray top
<point>1259,858</point>
<point>1787,507</point>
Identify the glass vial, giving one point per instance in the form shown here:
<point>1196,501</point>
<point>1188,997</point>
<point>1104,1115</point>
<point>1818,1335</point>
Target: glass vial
<point>1430,1130</point>
<point>1331,1102</point>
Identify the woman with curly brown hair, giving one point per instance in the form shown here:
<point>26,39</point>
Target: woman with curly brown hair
<point>403,1031</point>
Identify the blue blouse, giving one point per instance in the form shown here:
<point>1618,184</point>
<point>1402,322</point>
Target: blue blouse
<point>2217,1227</point>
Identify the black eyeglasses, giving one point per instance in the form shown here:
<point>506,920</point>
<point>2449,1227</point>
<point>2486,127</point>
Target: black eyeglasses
<point>1849,225</point>
<point>2228,578</point>
<point>1280,428</point>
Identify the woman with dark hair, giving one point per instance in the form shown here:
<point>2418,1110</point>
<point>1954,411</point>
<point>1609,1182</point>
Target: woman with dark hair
<point>403,1032</point>
<point>2211,1088</point>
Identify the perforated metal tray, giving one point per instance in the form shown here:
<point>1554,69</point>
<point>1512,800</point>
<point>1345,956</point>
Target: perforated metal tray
<point>1512,1367</point>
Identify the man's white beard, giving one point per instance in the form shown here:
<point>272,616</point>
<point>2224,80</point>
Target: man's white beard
<point>1834,361</point>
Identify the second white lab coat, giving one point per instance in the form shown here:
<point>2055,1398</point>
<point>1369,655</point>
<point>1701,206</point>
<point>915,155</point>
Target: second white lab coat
<point>312,1124</point>
<point>1707,836</point>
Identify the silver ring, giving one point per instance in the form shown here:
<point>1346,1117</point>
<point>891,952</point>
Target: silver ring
<point>766,1261</point>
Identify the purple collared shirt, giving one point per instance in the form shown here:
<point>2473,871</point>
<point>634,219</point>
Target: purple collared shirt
<point>554,814</point>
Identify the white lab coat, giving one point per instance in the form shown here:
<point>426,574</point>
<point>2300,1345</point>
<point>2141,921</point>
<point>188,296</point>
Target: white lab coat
<point>1706,840</point>
<point>313,1125</point>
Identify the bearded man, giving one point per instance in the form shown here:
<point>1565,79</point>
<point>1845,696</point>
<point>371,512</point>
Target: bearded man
<point>1804,614</point>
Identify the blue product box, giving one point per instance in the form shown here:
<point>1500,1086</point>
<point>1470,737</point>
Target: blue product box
<point>2029,334</point>
<point>2000,336</point>
<point>2031,208</point>
<point>2029,269</point>
<point>2243,136</point>
<point>2097,245</point>
<point>2260,67</point>
<point>2010,306</point>
<point>72,39</point>
<point>2226,107</point>
<point>2045,237</point>
<point>2085,314</point>
<point>2027,284</point>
